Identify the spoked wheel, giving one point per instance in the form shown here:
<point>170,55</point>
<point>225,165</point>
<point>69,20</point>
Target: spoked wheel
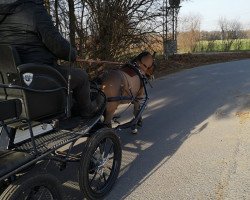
<point>34,187</point>
<point>100,164</point>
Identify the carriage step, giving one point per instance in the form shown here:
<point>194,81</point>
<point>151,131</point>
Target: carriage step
<point>55,139</point>
<point>71,130</point>
<point>49,141</point>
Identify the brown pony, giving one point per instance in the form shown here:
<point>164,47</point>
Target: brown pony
<point>126,83</point>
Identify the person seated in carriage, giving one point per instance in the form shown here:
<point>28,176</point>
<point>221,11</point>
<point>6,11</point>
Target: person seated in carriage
<point>26,25</point>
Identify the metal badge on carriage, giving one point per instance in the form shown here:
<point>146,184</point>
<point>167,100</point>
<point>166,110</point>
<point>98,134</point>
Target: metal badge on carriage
<point>28,78</point>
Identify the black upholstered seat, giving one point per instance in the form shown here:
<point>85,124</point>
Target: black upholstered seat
<point>37,104</point>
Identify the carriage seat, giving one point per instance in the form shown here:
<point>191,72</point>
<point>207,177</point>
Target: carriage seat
<point>37,103</point>
<point>11,160</point>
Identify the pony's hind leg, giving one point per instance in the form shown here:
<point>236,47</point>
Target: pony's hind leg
<point>109,113</point>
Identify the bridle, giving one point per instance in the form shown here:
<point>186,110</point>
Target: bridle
<point>148,68</point>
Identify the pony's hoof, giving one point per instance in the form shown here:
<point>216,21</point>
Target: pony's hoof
<point>134,131</point>
<point>102,119</point>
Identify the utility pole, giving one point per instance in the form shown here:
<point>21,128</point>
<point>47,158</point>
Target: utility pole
<point>171,9</point>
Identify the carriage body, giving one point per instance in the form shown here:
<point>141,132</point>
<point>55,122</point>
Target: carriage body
<point>35,124</point>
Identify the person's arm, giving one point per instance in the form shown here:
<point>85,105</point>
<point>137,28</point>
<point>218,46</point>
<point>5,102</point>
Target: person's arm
<point>51,37</point>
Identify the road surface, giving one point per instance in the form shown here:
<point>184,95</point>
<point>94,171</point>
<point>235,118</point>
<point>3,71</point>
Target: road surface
<point>195,142</point>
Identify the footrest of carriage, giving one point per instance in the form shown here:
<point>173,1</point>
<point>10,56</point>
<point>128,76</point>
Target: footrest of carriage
<point>70,130</point>
<point>11,160</point>
<point>47,142</point>
<point>10,109</point>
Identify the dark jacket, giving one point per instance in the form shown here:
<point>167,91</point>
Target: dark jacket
<point>27,26</point>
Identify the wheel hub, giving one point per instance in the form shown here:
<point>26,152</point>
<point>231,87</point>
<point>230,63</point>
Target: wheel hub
<point>102,163</point>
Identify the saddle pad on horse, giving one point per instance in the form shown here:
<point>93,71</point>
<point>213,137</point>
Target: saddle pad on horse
<point>129,70</point>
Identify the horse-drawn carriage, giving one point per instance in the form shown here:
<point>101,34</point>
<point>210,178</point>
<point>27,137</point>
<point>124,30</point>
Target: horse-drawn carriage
<point>36,122</point>
<point>33,108</point>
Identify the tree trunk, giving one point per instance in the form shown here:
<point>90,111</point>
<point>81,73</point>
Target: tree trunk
<point>56,14</point>
<point>72,21</point>
<point>47,5</point>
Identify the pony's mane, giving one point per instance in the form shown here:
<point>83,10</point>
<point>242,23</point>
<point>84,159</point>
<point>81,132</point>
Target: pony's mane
<point>136,59</point>
<point>140,56</point>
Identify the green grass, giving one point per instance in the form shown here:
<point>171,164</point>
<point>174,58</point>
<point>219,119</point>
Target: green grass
<point>218,46</point>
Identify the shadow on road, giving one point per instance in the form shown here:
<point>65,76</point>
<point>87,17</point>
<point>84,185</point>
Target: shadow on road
<point>187,100</point>
<point>180,106</point>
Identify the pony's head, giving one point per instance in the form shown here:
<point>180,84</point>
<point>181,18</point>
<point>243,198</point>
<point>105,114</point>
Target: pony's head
<point>146,62</point>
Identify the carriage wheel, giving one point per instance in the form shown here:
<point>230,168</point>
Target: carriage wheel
<point>100,164</point>
<point>33,187</point>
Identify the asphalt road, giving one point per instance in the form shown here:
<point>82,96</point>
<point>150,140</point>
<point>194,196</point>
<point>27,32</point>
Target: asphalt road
<point>195,142</point>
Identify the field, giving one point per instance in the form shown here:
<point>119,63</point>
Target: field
<point>219,46</point>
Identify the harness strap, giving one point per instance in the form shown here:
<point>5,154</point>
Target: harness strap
<point>120,98</point>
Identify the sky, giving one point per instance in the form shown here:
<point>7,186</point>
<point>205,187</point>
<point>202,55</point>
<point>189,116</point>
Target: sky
<point>212,10</point>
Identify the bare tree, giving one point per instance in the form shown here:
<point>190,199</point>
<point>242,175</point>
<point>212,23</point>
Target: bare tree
<point>231,32</point>
<point>116,25</point>
<point>110,29</point>
<point>107,29</point>
<point>47,5</point>
<point>72,22</point>
<point>189,32</point>
<point>56,5</point>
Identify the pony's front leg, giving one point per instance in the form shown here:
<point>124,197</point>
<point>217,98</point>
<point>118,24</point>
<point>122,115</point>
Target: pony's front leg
<point>136,112</point>
<point>137,106</point>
